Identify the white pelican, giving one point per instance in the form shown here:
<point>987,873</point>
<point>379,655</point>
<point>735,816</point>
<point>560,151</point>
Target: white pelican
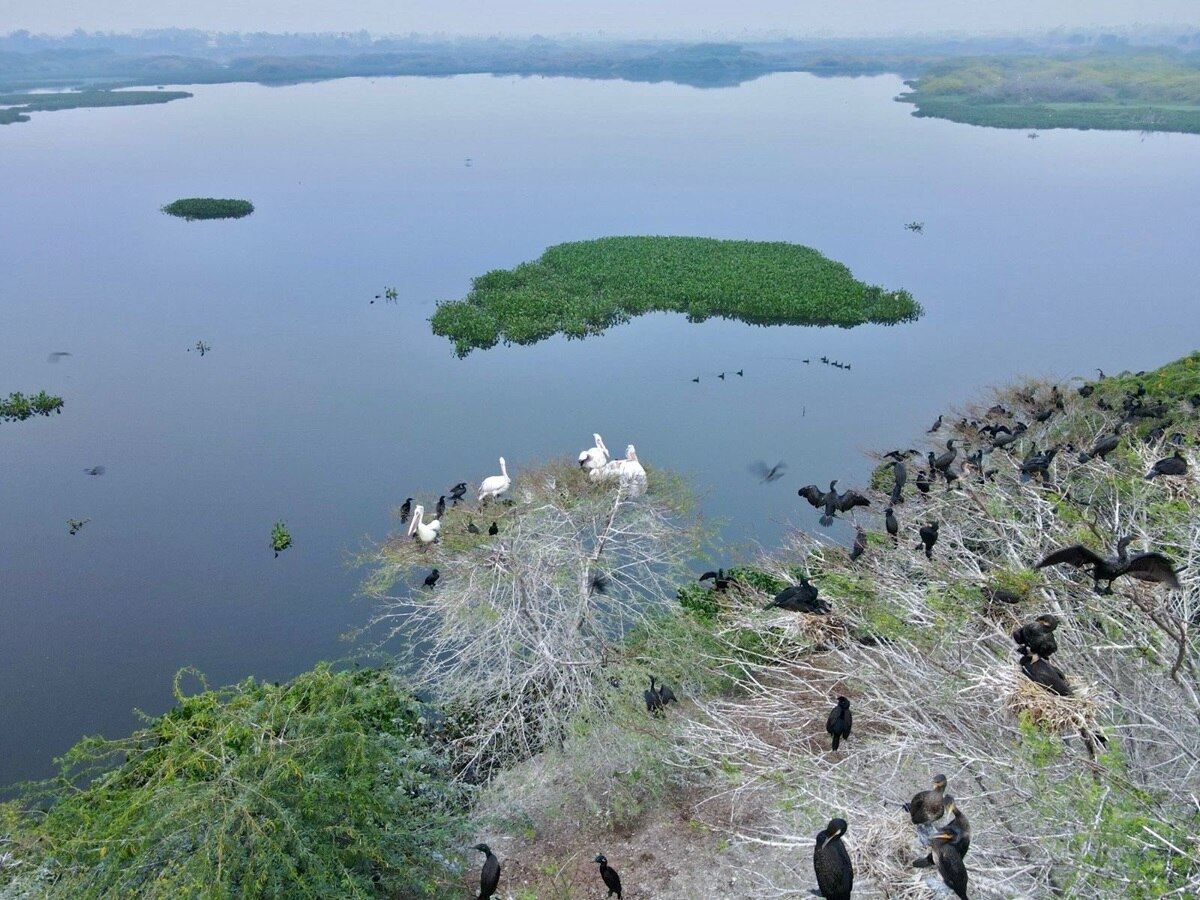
<point>495,485</point>
<point>425,533</point>
<point>628,471</point>
<point>594,457</point>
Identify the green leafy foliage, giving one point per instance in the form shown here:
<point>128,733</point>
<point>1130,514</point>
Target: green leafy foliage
<point>281,538</point>
<point>580,289</point>
<point>17,407</point>
<point>1152,90</point>
<point>322,787</point>
<point>192,208</point>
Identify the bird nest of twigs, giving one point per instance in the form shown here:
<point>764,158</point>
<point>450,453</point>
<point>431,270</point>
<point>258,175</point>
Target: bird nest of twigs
<point>1042,707</point>
<point>886,846</point>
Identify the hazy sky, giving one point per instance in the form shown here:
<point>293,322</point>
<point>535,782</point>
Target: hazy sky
<point>644,17</point>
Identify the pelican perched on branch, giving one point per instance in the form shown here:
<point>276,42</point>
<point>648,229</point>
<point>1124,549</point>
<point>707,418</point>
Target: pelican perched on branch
<point>627,471</point>
<point>495,485</point>
<point>425,533</point>
<point>594,457</point>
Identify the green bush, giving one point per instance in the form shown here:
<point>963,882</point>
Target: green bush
<point>321,787</point>
<point>17,407</point>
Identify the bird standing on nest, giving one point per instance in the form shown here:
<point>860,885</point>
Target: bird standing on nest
<point>1146,566</point>
<point>928,806</point>
<point>1037,637</point>
<point>1171,465</point>
<point>1046,674</point>
<point>831,862</point>
<point>958,834</point>
<point>800,597</point>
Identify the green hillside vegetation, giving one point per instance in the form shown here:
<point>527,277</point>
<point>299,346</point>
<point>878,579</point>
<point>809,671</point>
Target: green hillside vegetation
<point>1143,91</point>
<point>580,289</point>
<point>538,643</point>
<point>322,787</point>
<point>18,106</point>
<point>193,208</point>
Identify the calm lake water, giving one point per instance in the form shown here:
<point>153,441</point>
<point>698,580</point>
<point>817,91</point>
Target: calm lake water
<point>1048,256</point>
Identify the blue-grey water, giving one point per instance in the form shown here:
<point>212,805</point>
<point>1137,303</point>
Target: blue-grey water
<point>1048,257</point>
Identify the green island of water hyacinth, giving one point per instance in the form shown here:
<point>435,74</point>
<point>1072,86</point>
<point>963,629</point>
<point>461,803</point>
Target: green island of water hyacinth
<point>582,288</point>
<point>192,208</point>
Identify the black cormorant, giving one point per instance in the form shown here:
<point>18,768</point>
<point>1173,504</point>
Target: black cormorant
<point>928,806</point>
<point>900,471</point>
<point>489,877</point>
<point>493,529</point>
<point>441,507</point>
<point>800,597</point>
<point>1048,675</point>
<point>432,578</point>
<point>942,463</point>
<point>720,582</point>
<point>936,425</point>
<point>839,721</point>
<point>999,595</point>
<point>1000,441</point>
<point>860,543</point>
<point>1146,566</point>
<point>654,703</point>
<point>950,863</point>
<point>766,474</point>
<point>406,509</point>
<point>843,502</point>
<point>1104,445</point>
<point>958,834</point>
<point>1038,636</point>
<point>923,482</point>
<point>831,862</point>
<point>472,528</point>
<point>666,695</point>
<point>929,537</point>
<point>612,880</point>
<point>1172,465</point>
<point>458,491</point>
<point>891,524</point>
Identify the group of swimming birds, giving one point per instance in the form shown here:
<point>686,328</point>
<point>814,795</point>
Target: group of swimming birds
<point>1035,640</point>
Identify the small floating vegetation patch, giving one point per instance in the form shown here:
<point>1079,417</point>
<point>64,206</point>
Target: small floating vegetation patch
<point>17,407</point>
<point>281,538</point>
<point>192,208</point>
<point>583,288</point>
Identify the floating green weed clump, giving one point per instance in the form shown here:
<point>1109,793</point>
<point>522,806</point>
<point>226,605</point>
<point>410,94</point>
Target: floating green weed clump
<point>281,538</point>
<point>583,288</point>
<point>192,208</point>
<point>17,407</point>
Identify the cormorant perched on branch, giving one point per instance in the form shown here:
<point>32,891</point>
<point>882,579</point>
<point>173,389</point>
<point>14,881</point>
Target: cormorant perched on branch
<point>923,482</point>
<point>800,597</point>
<point>891,523</point>
<point>489,877</point>
<point>1171,465</point>
<point>942,463</point>
<point>1000,441</point>
<point>900,471</point>
<point>860,543</point>
<point>844,502</point>
<point>612,880</point>
<point>1037,637</point>
<point>929,537</point>
<point>928,806</point>
<point>1038,463</point>
<point>958,834</point>
<point>831,862</point>
<point>654,701</point>
<point>458,491</point>
<point>949,862</point>
<point>1048,675</point>
<point>720,582</point>
<point>1104,445</point>
<point>1146,566</point>
<point>839,722</point>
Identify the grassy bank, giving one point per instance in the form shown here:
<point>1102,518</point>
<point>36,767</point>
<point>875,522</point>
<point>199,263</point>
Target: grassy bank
<point>583,288</point>
<point>1144,91</point>
<point>19,106</point>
